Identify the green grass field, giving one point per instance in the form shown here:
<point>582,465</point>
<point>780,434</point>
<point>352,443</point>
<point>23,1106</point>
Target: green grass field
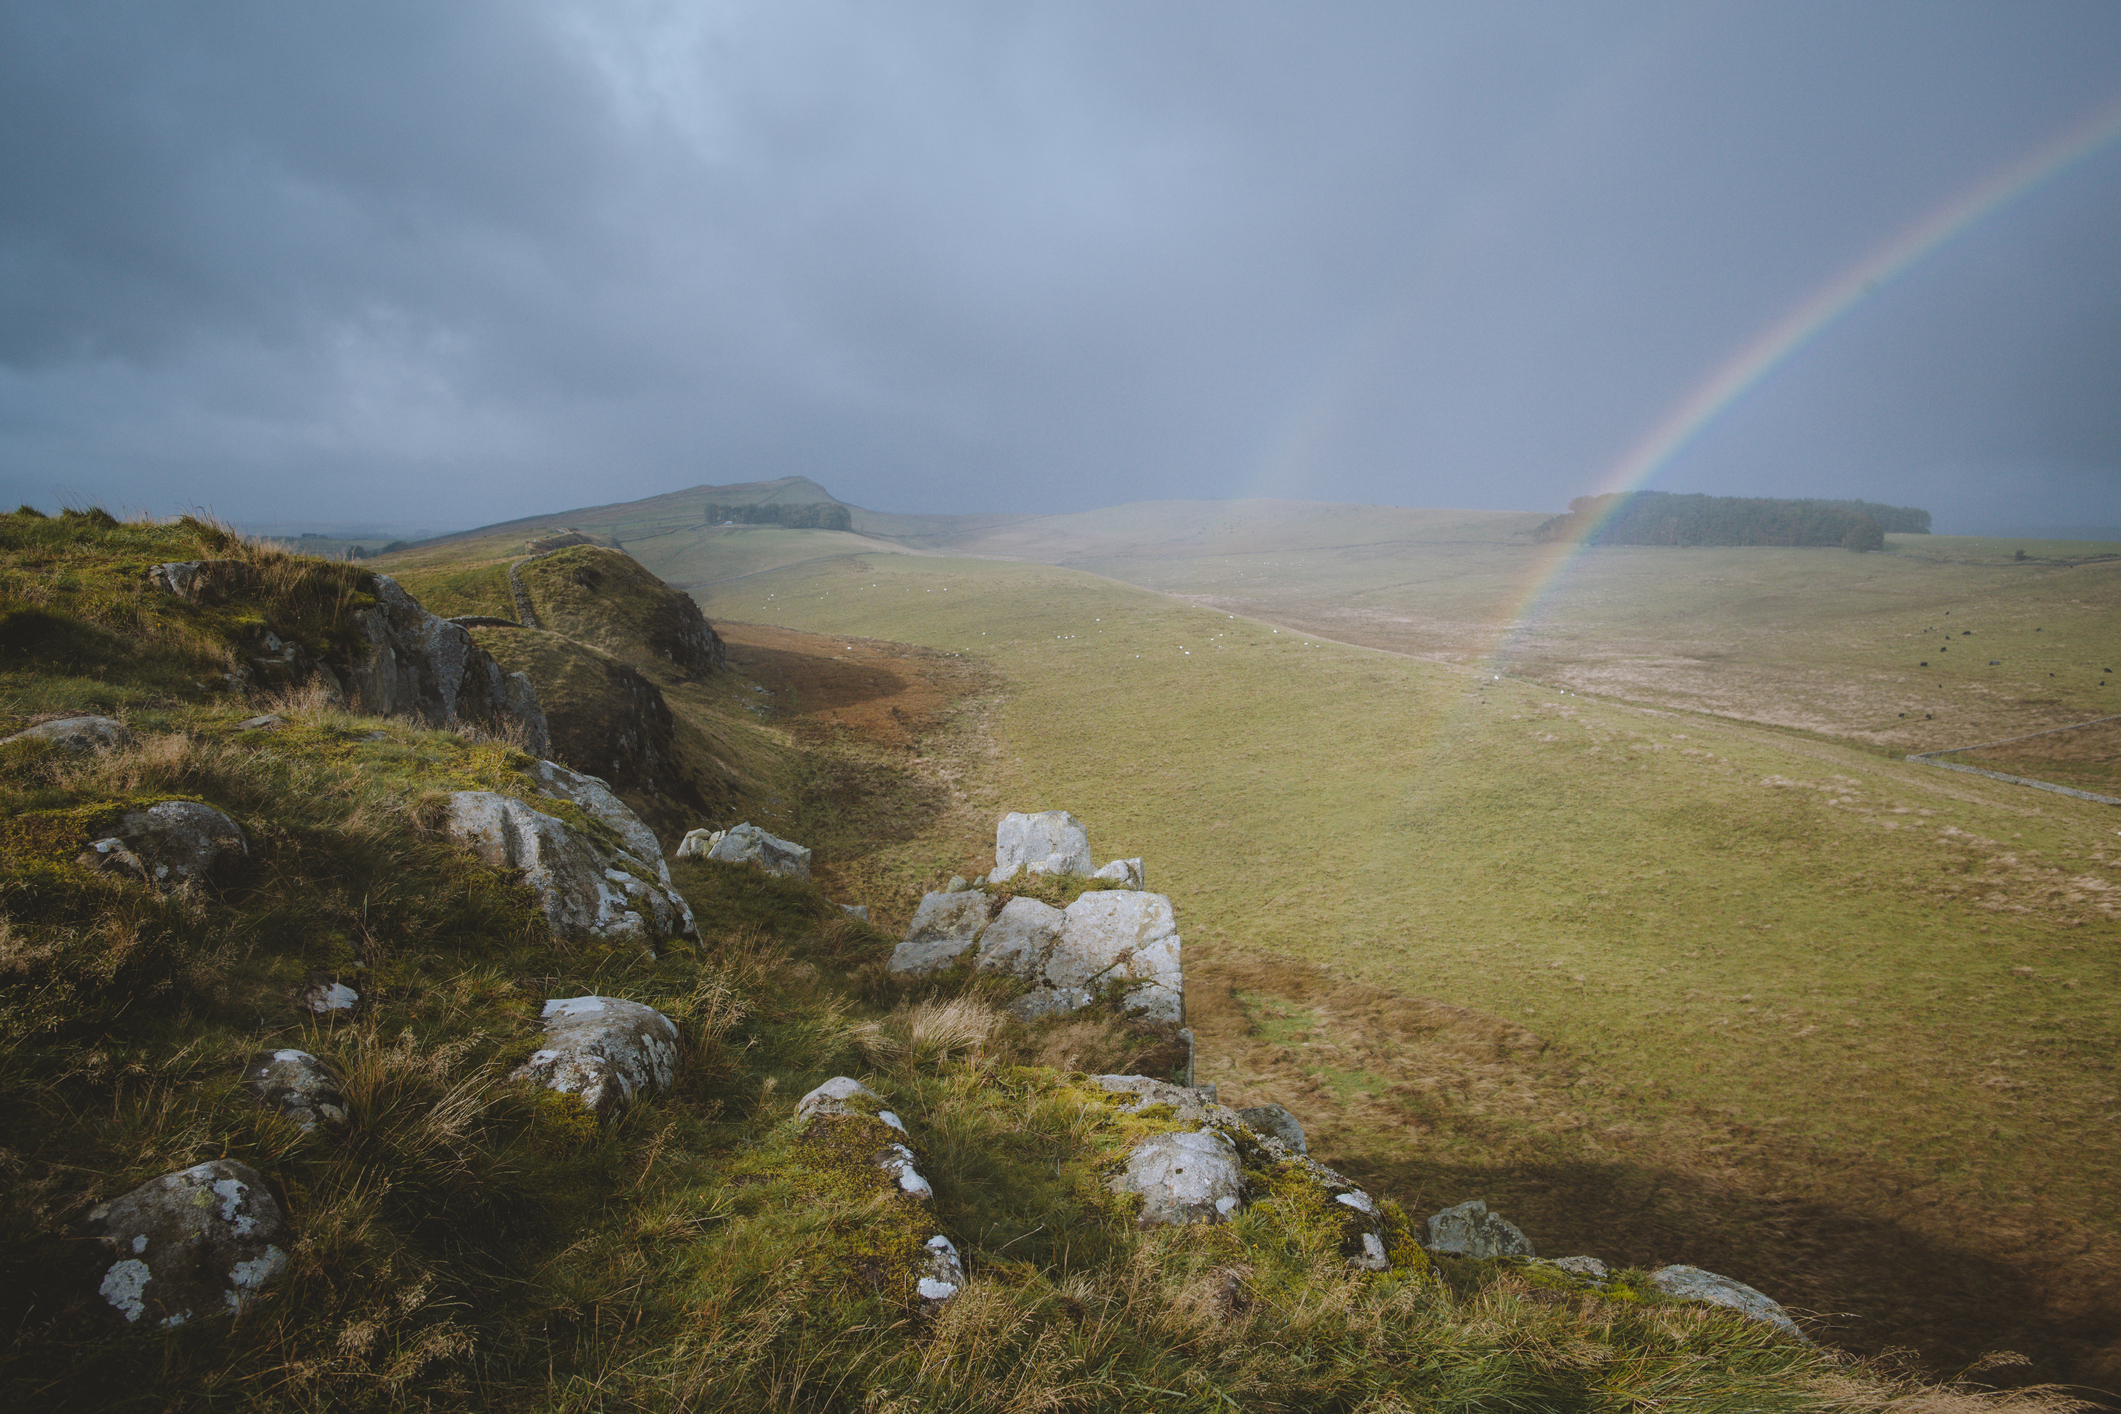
<point>1898,979</point>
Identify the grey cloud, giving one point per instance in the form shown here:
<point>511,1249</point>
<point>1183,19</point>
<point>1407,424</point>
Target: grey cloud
<point>477,260</point>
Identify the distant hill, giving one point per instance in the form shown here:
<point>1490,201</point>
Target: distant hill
<point>709,534</point>
<point>1665,518</point>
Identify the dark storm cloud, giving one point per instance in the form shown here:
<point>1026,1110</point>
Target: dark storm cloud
<point>470,261</point>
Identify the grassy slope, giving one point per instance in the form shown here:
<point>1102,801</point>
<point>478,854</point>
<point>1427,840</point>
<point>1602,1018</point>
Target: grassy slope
<point>1894,970</point>
<point>468,1243</point>
<point>1816,639</point>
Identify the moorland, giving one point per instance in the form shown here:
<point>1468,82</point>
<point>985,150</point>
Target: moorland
<point>1593,879</point>
<point>1675,964</point>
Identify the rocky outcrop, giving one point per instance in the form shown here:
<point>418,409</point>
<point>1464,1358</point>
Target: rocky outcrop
<point>860,1127</point>
<point>1049,842</point>
<point>298,1085</point>
<point>1276,1122</point>
<point>606,1050</point>
<point>1122,940</point>
<point>942,1273</point>
<point>944,928</point>
<point>1187,1177</point>
<point>326,995</point>
<point>748,844</point>
<point>83,734</point>
<point>1184,1179</point>
<point>404,662</point>
<point>582,887</point>
<point>1127,873</point>
<point>1113,938</point>
<point>700,843</point>
<point>415,665</point>
<point>615,888</point>
<point>204,582</point>
<point>1693,1284</point>
<point>171,845</point>
<point>1021,938</point>
<point>1470,1230</point>
<point>196,1243</point>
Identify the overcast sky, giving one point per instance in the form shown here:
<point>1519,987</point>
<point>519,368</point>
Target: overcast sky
<point>453,263</point>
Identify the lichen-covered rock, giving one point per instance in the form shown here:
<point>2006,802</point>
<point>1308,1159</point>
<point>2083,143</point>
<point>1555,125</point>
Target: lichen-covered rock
<point>748,844</point>
<point>1020,939</point>
<point>202,581</point>
<point>1127,873</point>
<point>1189,1104</point>
<point>325,995</point>
<point>595,798</point>
<point>1277,1122</point>
<point>1113,938</point>
<point>584,887</point>
<point>1049,842</point>
<point>1588,1268</point>
<point>298,1085</point>
<point>944,928</point>
<point>1470,1230</point>
<point>833,1097</point>
<point>1188,1177</point>
<point>700,843</point>
<point>82,734</point>
<point>173,844</point>
<point>1693,1284</point>
<point>196,1243</point>
<point>856,910</point>
<point>942,1273</point>
<point>844,1097</point>
<point>606,1050</point>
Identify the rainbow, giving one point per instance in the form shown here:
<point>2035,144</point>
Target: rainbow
<point>1787,336</point>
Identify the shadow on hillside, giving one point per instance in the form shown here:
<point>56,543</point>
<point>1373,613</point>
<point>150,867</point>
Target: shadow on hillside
<point>1432,1104</point>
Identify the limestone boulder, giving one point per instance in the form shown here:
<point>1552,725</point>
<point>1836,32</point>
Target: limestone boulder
<point>841,1095</point>
<point>1189,1104</point>
<point>1470,1230</point>
<point>591,795</point>
<point>1276,1122</point>
<point>607,1050</point>
<point>942,1271</point>
<point>1188,1177</point>
<point>1127,873</point>
<point>1049,842</point>
<point>1020,939</point>
<point>1119,938</point>
<point>173,844</point>
<point>586,887</point>
<point>207,582</point>
<point>298,1085</point>
<point>748,844</point>
<point>82,734</point>
<point>196,1243</point>
<point>324,995</point>
<point>699,844</point>
<point>1693,1284</point>
<point>945,927</point>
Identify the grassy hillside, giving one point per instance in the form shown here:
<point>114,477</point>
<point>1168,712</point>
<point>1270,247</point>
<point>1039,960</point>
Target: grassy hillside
<point>466,1241</point>
<point>1780,977</point>
<point>1939,642</point>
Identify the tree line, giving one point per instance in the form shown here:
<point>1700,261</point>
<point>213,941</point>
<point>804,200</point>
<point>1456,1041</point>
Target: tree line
<point>1669,518</point>
<point>810,515</point>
